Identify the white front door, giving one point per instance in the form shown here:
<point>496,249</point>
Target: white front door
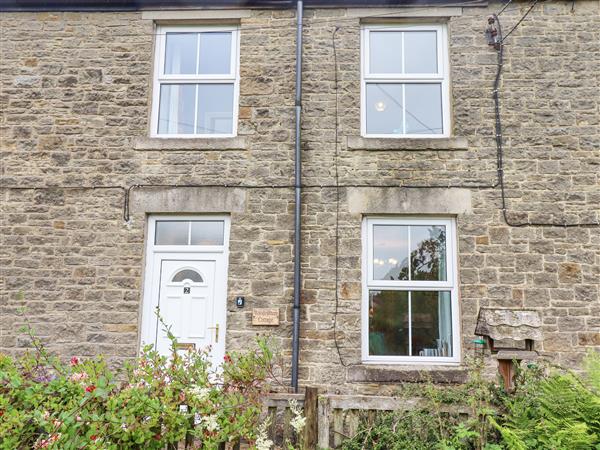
<point>186,284</point>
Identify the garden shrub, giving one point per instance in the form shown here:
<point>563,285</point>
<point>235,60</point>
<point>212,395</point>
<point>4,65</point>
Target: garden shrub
<point>560,410</point>
<point>154,402</point>
<point>550,409</point>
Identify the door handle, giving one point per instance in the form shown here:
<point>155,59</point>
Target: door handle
<point>216,328</point>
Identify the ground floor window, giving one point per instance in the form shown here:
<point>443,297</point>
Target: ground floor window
<point>410,304</point>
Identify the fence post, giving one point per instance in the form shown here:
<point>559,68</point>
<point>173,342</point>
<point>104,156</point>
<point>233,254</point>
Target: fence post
<point>310,412</point>
<point>323,422</point>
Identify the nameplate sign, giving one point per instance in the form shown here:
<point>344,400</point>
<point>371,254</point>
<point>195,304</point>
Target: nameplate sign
<point>265,316</point>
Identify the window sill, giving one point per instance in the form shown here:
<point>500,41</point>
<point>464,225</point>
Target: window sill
<point>418,374</point>
<point>207,144</point>
<point>382,144</point>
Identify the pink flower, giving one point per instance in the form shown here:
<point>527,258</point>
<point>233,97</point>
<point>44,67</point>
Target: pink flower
<point>42,444</point>
<point>74,361</point>
<point>79,376</point>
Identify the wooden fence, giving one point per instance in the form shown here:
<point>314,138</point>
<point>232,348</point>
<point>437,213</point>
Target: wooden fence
<point>330,419</point>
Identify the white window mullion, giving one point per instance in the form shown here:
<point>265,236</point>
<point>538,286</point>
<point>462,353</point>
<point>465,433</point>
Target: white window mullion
<point>403,53</point>
<point>404,122</point>
<point>410,323</point>
<point>196,108</point>
<point>408,256</point>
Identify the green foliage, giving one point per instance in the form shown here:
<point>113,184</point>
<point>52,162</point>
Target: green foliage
<point>152,402</point>
<point>444,418</point>
<point>550,409</point>
<point>559,410</point>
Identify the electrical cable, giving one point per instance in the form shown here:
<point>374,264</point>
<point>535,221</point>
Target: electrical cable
<point>500,170</point>
<point>337,204</point>
<point>531,6</point>
<point>499,143</point>
<point>309,23</point>
<point>503,8</point>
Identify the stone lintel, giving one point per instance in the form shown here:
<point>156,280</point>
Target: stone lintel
<point>196,14</point>
<point>407,144</point>
<point>398,200</point>
<point>391,13</point>
<point>362,374</point>
<point>188,200</point>
<point>151,143</point>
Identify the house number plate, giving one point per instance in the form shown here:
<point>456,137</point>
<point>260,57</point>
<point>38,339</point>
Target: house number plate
<point>187,290</point>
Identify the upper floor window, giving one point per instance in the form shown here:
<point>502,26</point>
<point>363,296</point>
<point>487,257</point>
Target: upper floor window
<point>195,82</point>
<point>410,304</point>
<point>405,81</point>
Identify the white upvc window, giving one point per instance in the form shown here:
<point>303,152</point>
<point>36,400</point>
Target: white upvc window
<point>196,82</point>
<point>410,295</point>
<point>405,89</point>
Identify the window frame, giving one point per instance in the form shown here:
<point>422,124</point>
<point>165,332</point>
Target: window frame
<point>161,78</point>
<point>442,77</point>
<point>451,285</point>
<point>187,248</point>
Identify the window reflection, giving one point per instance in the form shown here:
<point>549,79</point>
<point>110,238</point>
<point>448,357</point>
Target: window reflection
<point>428,253</point>
<point>390,252</point>
<point>431,323</point>
<point>388,323</point>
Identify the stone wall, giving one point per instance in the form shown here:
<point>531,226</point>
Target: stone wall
<point>75,100</point>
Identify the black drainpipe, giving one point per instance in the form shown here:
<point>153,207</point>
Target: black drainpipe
<point>298,204</point>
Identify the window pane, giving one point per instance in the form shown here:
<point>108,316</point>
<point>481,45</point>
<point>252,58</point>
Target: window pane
<point>420,52</point>
<point>385,52</point>
<point>207,233</point>
<point>384,108</point>
<point>187,274</point>
<point>215,53</point>
<point>431,318</point>
<point>428,253</point>
<point>171,232</point>
<point>176,109</point>
<point>423,108</point>
<point>390,252</point>
<point>181,53</point>
<point>215,109</point>
<point>388,323</point>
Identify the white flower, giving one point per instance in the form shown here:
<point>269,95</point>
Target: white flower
<point>201,393</point>
<point>211,422</point>
<point>197,419</point>
<point>183,409</point>
<point>299,420</point>
<point>262,440</point>
<point>262,443</point>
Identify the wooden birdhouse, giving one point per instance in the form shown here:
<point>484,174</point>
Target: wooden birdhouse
<point>511,335</point>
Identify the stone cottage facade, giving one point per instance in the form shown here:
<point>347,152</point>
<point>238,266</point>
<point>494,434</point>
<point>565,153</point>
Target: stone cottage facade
<point>148,160</point>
